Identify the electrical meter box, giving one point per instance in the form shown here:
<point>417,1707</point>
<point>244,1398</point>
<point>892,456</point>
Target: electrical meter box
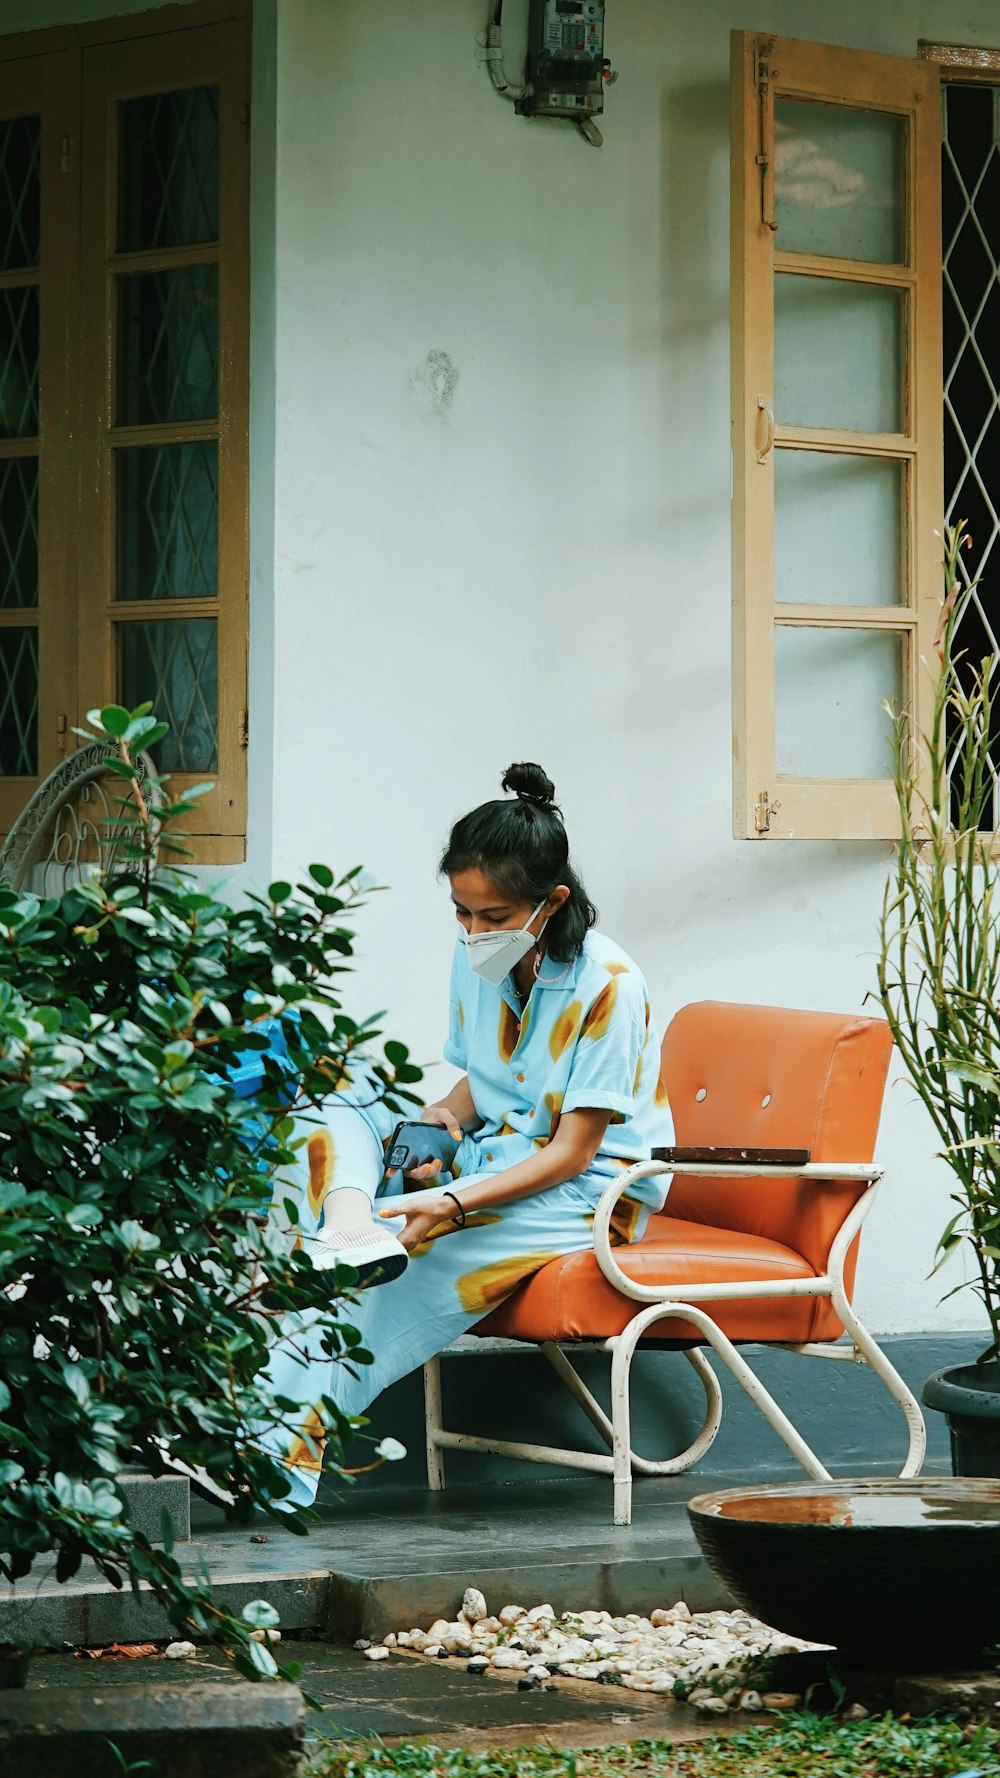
<point>566,65</point>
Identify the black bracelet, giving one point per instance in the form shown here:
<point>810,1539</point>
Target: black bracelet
<point>458,1207</point>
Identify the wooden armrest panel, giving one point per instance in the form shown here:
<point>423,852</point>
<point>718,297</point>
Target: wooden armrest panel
<point>750,1157</point>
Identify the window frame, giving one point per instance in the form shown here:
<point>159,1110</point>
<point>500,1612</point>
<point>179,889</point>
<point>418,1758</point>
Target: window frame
<point>88,70</point>
<point>766,806</point>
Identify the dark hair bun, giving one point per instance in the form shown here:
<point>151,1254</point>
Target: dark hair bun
<point>530,783</point>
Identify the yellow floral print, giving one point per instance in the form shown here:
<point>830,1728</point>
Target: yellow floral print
<point>598,1019</point>
<point>481,1290</point>
<point>306,1452</point>
<point>510,1031</point>
<point>565,1029</point>
<point>322,1158</point>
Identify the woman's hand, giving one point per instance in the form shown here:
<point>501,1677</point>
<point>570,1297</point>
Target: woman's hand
<point>443,1115</point>
<point>422,1216</point>
<point>444,1118</point>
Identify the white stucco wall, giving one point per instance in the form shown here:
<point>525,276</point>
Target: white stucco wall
<point>534,563</point>
<point>500,500</point>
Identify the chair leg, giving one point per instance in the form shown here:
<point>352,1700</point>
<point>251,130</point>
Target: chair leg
<point>902,1395</point>
<point>621,1422</point>
<point>744,1376</point>
<point>433,1422</point>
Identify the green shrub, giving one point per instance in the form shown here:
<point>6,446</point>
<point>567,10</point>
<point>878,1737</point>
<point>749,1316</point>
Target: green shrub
<point>134,1306</point>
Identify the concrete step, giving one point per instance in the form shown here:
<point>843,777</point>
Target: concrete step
<point>390,1561</point>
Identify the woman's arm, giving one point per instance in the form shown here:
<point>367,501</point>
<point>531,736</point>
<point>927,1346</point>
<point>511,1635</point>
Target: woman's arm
<point>577,1139</point>
<point>456,1111</point>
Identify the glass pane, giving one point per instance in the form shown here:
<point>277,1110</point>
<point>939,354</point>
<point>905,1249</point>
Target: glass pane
<point>829,686</point>
<point>20,192</point>
<point>168,533</point>
<point>19,531</point>
<point>176,666</point>
<point>168,346</point>
<point>18,703</point>
<point>838,537</point>
<point>838,181</point>
<point>19,363</point>
<point>168,181</point>
<point>837,354</point>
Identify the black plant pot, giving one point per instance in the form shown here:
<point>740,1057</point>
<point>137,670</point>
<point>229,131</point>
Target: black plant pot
<point>893,1573</point>
<point>969,1394</point>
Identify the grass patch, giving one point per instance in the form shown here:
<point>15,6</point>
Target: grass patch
<point>794,1746</point>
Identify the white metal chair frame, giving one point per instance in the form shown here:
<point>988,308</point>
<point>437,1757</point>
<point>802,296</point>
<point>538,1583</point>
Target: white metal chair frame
<point>684,1302</point>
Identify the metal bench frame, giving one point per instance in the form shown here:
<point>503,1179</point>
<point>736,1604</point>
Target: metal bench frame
<point>68,827</point>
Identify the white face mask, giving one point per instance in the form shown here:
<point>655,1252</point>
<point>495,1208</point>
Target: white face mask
<point>494,954</point>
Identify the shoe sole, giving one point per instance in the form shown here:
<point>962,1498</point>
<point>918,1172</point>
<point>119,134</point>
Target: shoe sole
<point>370,1271</point>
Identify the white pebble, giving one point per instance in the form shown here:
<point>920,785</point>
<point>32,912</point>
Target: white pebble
<point>751,1701</point>
<point>181,1651</point>
<point>265,1635</point>
<point>539,1611</point>
<point>392,1640</point>
<point>402,1640</point>
<point>780,1700</point>
<point>514,1658</point>
<point>473,1605</point>
<point>539,1673</point>
<point>478,1664</point>
<point>712,1706</point>
<point>376,1654</point>
<point>438,1628</point>
<point>511,1613</point>
<point>856,1713</point>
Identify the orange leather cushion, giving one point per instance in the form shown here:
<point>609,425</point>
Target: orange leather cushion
<point>570,1299</point>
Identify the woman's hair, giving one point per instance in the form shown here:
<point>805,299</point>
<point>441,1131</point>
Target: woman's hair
<point>521,846</point>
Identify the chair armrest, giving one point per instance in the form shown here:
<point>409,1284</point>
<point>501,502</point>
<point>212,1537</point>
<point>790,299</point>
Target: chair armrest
<point>864,1172</point>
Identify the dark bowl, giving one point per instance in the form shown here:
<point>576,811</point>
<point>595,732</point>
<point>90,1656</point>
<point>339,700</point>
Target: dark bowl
<point>889,1571</point>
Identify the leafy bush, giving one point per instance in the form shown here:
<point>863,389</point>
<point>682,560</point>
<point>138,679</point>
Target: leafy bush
<point>134,1307</point>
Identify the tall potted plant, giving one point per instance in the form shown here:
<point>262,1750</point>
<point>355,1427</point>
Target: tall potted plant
<point>939,983</point>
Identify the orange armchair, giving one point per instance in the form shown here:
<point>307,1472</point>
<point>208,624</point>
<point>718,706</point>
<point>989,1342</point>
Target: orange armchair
<point>739,1254</point>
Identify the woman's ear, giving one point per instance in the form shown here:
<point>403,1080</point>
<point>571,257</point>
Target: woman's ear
<point>558,899</point>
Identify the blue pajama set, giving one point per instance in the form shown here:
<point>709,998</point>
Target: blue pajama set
<point>584,1040</point>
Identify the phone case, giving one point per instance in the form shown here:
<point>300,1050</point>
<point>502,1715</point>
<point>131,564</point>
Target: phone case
<point>413,1144</point>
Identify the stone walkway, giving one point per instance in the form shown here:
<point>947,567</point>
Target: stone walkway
<point>406,1698</point>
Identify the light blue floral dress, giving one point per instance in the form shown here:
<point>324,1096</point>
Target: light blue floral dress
<point>584,1040</point>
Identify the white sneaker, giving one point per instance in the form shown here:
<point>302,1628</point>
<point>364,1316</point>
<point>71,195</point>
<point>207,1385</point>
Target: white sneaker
<point>198,1477</point>
<point>376,1256</point>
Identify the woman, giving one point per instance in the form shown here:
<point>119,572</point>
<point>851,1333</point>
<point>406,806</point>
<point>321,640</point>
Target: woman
<point>560,1090</point>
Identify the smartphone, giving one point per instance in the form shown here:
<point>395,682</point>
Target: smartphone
<point>412,1145</point>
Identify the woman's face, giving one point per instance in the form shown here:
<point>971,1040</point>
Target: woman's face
<point>481,907</point>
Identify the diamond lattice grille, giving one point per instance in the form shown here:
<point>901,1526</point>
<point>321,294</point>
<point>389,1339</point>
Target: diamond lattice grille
<point>168,521</point>
<point>19,532</point>
<point>169,346</point>
<point>971,259</point>
<point>20,192</point>
<point>175,666</point>
<point>19,362</point>
<point>169,179</point>
<point>18,703</point>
